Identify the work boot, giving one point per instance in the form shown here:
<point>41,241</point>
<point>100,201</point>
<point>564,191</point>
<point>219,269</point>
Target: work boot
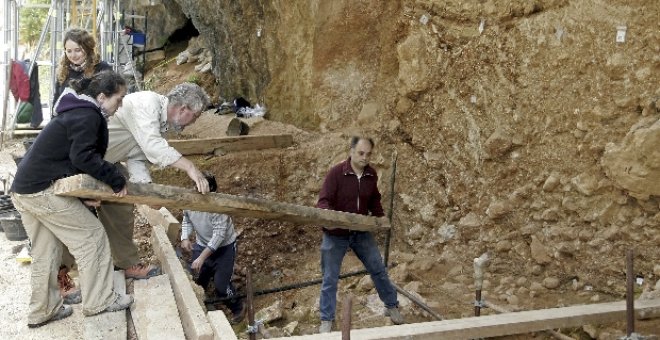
<point>70,294</point>
<point>326,326</point>
<point>395,315</point>
<point>239,315</point>
<point>141,271</point>
<point>64,312</point>
<point>123,301</point>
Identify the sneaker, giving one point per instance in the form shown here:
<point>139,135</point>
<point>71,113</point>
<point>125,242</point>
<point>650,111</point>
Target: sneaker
<point>123,301</point>
<point>141,271</point>
<point>63,312</point>
<point>326,326</point>
<point>72,298</point>
<point>239,315</point>
<point>395,315</point>
<point>68,290</point>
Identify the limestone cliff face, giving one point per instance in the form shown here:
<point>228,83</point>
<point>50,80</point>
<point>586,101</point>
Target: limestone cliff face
<point>499,111</point>
<point>163,17</point>
<point>313,63</point>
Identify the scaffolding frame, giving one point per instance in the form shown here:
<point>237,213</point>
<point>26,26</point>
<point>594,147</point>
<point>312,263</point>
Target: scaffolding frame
<point>101,18</point>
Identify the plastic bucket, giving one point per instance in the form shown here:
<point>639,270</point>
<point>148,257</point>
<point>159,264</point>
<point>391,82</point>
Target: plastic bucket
<point>13,226</point>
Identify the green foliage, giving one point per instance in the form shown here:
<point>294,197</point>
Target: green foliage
<point>31,23</point>
<point>193,78</point>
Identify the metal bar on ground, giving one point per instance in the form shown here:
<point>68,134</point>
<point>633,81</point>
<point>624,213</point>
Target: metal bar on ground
<point>630,294</point>
<point>252,328</point>
<point>285,288</point>
<point>418,302</point>
<point>390,213</point>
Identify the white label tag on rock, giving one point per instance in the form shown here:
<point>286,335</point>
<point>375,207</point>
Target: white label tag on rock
<point>621,34</point>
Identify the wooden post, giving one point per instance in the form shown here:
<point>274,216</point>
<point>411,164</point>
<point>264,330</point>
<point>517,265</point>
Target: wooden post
<point>346,319</point>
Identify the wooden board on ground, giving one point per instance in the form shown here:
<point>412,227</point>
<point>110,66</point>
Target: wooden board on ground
<point>502,324</point>
<point>154,311</point>
<point>194,321</point>
<point>221,326</point>
<point>108,325</point>
<point>226,144</point>
<point>174,197</point>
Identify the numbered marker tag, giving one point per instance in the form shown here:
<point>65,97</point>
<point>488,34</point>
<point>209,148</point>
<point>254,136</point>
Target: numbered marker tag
<point>621,34</point>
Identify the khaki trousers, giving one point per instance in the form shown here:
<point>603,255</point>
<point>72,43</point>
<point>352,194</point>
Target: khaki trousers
<point>51,221</point>
<point>119,221</point>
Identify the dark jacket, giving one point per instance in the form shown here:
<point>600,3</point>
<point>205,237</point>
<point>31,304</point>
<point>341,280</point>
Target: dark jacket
<point>341,189</point>
<point>74,75</point>
<point>73,142</point>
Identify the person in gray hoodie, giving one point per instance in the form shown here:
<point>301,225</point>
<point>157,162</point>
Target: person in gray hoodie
<point>213,253</point>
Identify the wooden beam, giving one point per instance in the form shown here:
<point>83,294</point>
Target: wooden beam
<point>163,218</point>
<point>174,197</point>
<point>194,321</point>
<point>226,144</point>
<point>502,324</point>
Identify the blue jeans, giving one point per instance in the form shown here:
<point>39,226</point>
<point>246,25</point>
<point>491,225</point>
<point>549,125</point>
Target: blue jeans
<point>220,267</point>
<point>333,249</point>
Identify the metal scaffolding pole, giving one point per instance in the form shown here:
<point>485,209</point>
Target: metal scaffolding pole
<point>9,45</point>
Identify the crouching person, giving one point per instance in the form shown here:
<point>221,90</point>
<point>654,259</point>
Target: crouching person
<point>214,252</point>
<point>73,142</point>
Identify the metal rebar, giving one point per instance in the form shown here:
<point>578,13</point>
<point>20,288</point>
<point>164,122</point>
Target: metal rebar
<point>477,303</point>
<point>390,213</point>
<point>284,288</point>
<point>418,302</point>
<point>630,294</point>
<point>250,312</point>
<point>346,319</point>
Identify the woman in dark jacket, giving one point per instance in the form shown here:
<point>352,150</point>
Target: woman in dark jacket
<point>79,60</point>
<point>73,142</point>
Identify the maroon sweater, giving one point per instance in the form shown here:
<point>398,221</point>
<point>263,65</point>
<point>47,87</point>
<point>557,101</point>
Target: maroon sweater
<point>343,191</point>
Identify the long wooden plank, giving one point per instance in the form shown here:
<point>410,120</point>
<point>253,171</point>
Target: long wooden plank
<point>174,197</point>
<point>501,324</point>
<point>221,328</point>
<point>193,319</point>
<point>154,311</point>
<point>234,143</point>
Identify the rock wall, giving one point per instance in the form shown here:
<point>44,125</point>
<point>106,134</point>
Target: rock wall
<point>500,112</point>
